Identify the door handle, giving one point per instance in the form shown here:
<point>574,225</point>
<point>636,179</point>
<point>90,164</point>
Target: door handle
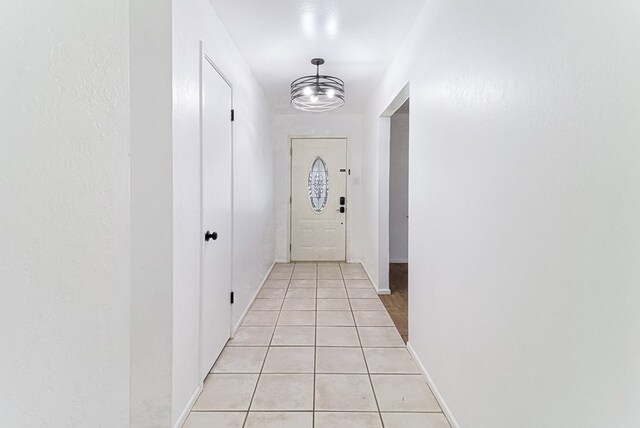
<point>340,210</point>
<point>342,200</point>
<point>209,235</point>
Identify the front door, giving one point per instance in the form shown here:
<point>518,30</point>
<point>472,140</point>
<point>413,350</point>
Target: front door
<point>318,199</point>
<point>216,216</point>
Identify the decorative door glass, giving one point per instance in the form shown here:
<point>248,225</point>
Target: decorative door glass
<point>318,185</point>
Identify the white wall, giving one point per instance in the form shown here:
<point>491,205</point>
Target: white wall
<point>398,188</point>
<point>151,212</point>
<point>314,125</point>
<point>64,214</point>
<point>253,217</point>
<point>524,208</point>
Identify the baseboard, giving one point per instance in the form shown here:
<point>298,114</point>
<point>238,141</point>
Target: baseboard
<point>282,261</point>
<point>434,389</point>
<point>398,261</point>
<point>375,286</point>
<point>185,413</point>
<point>384,292</point>
<point>253,298</point>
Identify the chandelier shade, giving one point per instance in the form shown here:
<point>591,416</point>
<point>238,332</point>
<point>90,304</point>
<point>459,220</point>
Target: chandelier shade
<point>317,93</point>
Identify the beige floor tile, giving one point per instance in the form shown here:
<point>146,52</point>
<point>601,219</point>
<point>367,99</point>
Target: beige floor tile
<point>340,392</point>
<point>306,266</point>
<point>297,318</point>
<point>337,336</point>
<point>333,305</point>
<point>362,293</point>
<point>304,275</point>
<point>358,283</point>
<point>276,283</point>
<point>327,264</point>
<point>373,319</point>
<point>330,283</point>
<point>354,275</point>
<point>301,293</point>
<point>226,392</point>
<point>280,275</point>
<point>266,305</point>
<point>215,419</point>
<point>404,393</point>
<point>283,269</point>
<point>294,336</point>
<point>255,318</point>
<point>240,360</point>
<point>366,305</point>
<point>390,361</point>
<point>380,337</point>
<point>284,392</point>
<point>299,305</point>
<point>279,420</point>
<point>413,420</point>
<point>348,420</point>
<point>332,293</point>
<point>329,273</point>
<point>335,318</point>
<point>252,336</point>
<point>289,360</point>
<point>340,360</point>
<point>272,293</point>
<point>303,283</point>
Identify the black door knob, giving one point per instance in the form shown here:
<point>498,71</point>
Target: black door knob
<point>209,235</point>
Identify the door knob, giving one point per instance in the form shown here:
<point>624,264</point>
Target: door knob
<point>209,235</point>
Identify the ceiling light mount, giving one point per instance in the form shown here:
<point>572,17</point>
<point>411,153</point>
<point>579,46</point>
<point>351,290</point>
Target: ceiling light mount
<point>317,93</point>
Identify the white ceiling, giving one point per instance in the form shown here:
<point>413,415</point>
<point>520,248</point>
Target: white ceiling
<point>357,38</point>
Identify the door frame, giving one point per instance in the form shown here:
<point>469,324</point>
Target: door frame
<point>347,238</point>
<point>206,59</point>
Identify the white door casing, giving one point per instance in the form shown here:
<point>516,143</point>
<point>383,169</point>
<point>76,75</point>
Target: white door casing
<point>216,135</point>
<point>318,234</point>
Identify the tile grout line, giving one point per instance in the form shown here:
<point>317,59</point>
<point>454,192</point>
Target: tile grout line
<point>266,355</point>
<point>365,361</point>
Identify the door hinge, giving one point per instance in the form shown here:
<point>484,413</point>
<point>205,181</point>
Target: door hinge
<point>232,297</point>
<point>290,199</point>
<point>233,115</point>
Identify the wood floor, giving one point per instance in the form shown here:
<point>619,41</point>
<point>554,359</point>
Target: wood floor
<point>397,303</point>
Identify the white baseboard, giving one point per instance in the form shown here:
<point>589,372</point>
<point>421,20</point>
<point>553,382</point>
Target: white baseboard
<point>185,413</point>
<point>246,310</point>
<point>398,261</point>
<point>282,261</point>
<point>434,389</point>
<point>375,286</point>
<point>384,291</point>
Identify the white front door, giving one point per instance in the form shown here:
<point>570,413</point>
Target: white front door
<point>318,199</point>
<point>216,216</point>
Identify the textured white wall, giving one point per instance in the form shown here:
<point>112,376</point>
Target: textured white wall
<point>151,212</point>
<point>315,125</point>
<point>64,214</point>
<point>253,216</point>
<point>524,208</point>
<point>398,188</point>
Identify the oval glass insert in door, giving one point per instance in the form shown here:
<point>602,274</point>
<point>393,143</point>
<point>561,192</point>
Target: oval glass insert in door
<point>318,185</point>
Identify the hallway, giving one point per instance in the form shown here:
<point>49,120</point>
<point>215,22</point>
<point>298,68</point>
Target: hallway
<point>317,349</point>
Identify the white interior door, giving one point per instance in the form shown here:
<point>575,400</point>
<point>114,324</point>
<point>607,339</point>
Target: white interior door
<point>216,215</point>
<point>318,199</point>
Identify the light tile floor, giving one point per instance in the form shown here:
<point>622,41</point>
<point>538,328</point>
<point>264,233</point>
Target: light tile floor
<point>317,349</point>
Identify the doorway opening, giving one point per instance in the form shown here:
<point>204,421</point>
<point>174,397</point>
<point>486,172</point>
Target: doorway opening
<point>393,219</point>
<point>397,302</point>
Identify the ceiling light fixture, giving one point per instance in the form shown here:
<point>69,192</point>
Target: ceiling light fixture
<point>317,93</point>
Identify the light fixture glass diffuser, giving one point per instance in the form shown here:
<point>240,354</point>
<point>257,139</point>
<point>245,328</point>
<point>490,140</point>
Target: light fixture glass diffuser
<point>317,93</point>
